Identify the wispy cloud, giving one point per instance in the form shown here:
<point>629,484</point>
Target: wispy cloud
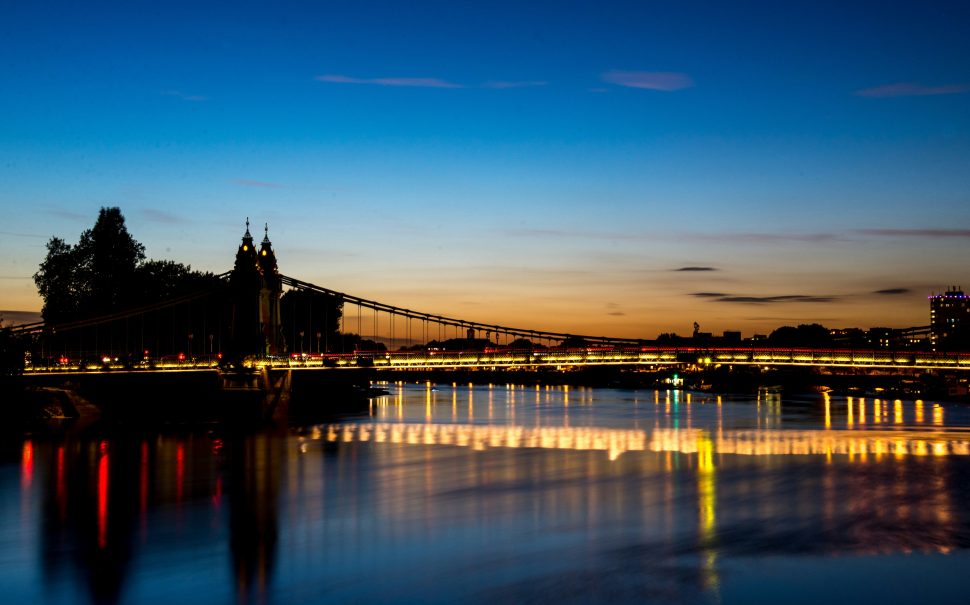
<point>751,237</point>
<point>666,81</point>
<point>69,214</point>
<point>892,291</point>
<point>614,310</point>
<point>912,89</point>
<point>402,82</point>
<point>931,233</point>
<point>763,300</point>
<point>503,84</point>
<point>695,269</point>
<point>30,235</point>
<point>812,319</point>
<point>184,96</point>
<point>768,238</point>
<point>260,184</point>
<point>160,216</point>
<point>573,233</point>
<point>727,237</point>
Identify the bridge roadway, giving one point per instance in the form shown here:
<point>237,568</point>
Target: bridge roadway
<point>645,357</point>
<point>637,356</point>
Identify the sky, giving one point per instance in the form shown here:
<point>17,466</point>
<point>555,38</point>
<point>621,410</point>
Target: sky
<point>607,168</point>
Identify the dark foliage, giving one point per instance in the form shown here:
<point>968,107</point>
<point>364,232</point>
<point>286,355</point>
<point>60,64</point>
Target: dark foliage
<point>311,321</point>
<point>805,335</point>
<point>106,272</point>
<point>573,342</point>
<point>12,350</point>
<point>350,343</point>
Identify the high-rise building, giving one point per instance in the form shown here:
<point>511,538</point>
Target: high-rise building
<point>949,318</point>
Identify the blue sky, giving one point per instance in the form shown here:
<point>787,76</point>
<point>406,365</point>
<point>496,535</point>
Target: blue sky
<point>544,164</point>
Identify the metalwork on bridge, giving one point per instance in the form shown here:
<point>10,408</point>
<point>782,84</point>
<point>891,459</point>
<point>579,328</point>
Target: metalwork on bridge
<point>242,319</point>
<point>599,350</point>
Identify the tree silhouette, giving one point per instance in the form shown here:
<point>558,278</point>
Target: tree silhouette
<point>106,271</point>
<point>58,282</point>
<point>108,257</point>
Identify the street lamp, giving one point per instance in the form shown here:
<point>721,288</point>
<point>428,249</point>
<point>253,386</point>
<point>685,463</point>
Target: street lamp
<point>191,336</point>
<point>301,342</point>
<point>318,342</point>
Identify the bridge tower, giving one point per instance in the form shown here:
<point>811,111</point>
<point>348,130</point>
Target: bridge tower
<point>255,289</point>
<point>269,298</point>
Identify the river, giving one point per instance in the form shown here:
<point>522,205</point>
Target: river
<point>503,493</point>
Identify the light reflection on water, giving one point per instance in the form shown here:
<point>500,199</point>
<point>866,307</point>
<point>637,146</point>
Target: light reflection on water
<point>508,493</point>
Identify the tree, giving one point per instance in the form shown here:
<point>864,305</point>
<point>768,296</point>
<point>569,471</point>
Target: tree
<point>12,350</point>
<point>108,256</point>
<point>573,342</point>
<point>805,335</point>
<point>311,313</point>
<point>522,344</point>
<point>106,272</point>
<point>156,280</point>
<point>93,277</point>
<point>58,282</point>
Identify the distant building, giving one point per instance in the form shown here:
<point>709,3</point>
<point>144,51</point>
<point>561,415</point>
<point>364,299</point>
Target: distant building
<point>917,337</point>
<point>731,337</point>
<point>848,338</point>
<point>882,338</point>
<point>949,317</point>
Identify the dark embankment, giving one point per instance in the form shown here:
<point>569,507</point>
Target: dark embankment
<point>319,396</point>
<point>149,397</point>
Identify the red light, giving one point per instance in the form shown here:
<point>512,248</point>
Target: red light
<point>103,496</point>
<point>218,355</point>
<point>179,471</point>
<point>27,464</point>
<point>143,479</point>
<point>181,356</point>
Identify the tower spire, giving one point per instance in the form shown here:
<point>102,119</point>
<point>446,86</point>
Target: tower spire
<point>266,233</point>
<point>247,228</point>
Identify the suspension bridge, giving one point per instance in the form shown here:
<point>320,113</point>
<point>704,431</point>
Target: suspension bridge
<point>240,316</point>
<point>119,341</point>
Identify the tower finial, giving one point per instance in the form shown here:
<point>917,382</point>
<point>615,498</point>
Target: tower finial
<point>247,227</point>
<point>265,233</point>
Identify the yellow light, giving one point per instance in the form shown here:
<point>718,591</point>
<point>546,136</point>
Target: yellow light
<point>828,413</point>
<point>245,248</point>
<point>264,252</point>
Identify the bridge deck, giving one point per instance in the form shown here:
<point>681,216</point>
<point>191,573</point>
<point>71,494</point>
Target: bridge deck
<point>559,358</point>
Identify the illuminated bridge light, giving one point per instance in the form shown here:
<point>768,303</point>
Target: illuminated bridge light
<point>615,442</point>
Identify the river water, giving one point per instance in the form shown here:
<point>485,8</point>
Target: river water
<point>500,493</point>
